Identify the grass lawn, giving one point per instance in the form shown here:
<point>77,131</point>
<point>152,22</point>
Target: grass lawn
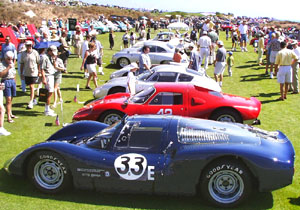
<point>33,127</point>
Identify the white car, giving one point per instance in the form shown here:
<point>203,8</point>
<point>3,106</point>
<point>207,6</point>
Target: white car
<point>161,73</point>
<point>160,53</point>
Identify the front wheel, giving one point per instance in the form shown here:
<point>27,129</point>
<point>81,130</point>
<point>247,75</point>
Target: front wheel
<point>100,31</point>
<point>226,183</point>
<point>227,115</point>
<point>122,62</point>
<point>111,117</point>
<point>49,172</point>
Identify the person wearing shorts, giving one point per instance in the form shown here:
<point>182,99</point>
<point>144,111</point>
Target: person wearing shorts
<point>274,46</point>
<point>90,58</point>
<point>9,82</point>
<point>30,60</point>
<point>60,67</point>
<point>284,60</point>
<point>243,29</point>
<point>48,69</point>
<point>220,63</point>
<point>3,131</point>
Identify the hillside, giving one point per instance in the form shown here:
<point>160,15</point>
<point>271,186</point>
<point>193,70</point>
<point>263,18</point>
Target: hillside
<point>14,12</point>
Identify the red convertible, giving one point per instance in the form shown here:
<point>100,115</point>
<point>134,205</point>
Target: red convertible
<point>174,99</point>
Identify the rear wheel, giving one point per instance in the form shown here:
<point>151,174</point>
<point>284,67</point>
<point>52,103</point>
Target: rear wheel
<point>110,117</point>
<point>227,115</point>
<point>165,62</point>
<point>49,172</point>
<point>226,183</point>
<point>99,31</point>
<point>122,62</point>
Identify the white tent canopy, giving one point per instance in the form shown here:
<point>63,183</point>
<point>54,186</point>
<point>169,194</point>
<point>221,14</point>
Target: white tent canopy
<point>178,26</point>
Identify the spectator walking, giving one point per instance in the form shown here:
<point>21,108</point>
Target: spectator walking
<point>144,60</point>
<point>230,63</point>
<point>205,46</point>
<point>131,80</point>
<point>30,60</point>
<point>195,59</point>
<point>8,46</point>
<point>132,39</point>
<point>77,40</point>
<point>99,50</point>
<point>90,59</point>
<point>284,59</point>
<point>3,72</point>
<point>125,39</point>
<point>177,56</point>
<point>243,29</point>
<point>60,68</point>
<point>84,48</point>
<point>274,46</point>
<point>220,63</point>
<point>48,69</point>
<point>21,48</point>
<point>295,67</point>
<point>260,47</point>
<point>9,80</point>
<point>111,38</point>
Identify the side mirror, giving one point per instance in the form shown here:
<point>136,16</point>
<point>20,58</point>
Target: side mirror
<point>197,101</point>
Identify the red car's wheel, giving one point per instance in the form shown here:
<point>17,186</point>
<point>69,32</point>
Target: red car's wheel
<point>227,115</point>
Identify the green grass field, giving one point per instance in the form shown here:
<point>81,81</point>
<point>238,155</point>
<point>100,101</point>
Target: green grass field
<point>33,127</point>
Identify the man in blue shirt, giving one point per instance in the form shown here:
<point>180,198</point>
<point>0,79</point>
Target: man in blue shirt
<point>8,46</point>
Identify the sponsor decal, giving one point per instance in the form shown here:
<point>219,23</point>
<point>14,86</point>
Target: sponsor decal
<point>224,167</point>
<point>93,172</point>
<point>133,166</point>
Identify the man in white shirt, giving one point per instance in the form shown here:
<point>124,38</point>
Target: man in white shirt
<point>205,45</point>
<point>295,66</point>
<point>131,80</point>
<point>243,29</point>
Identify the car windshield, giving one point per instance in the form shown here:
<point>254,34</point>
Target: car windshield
<point>144,76</point>
<point>142,96</point>
<point>102,139</point>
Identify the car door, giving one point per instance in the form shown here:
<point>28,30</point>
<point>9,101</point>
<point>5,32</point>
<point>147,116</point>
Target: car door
<point>170,103</point>
<point>137,159</point>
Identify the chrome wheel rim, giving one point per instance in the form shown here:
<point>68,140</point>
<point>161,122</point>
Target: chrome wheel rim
<point>112,118</point>
<point>226,118</point>
<point>226,186</point>
<point>123,62</point>
<point>48,174</point>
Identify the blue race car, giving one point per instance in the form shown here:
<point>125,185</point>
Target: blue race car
<point>160,155</point>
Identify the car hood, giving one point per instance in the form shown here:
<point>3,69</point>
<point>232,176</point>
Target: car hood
<point>118,98</point>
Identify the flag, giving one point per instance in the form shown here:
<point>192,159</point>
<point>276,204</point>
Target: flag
<point>57,121</point>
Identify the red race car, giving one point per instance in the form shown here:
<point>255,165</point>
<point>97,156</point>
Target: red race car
<point>175,99</point>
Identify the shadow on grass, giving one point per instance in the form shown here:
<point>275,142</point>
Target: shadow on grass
<point>72,76</point>
<point>11,185</point>
<point>268,95</point>
<point>246,66</point>
<point>112,66</point>
<point>253,77</point>
<point>295,201</point>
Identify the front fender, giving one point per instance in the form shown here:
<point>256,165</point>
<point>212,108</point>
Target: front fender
<point>78,130</point>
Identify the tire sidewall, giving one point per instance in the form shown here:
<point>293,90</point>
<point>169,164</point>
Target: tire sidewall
<point>53,156</point>
<point>225,165</point>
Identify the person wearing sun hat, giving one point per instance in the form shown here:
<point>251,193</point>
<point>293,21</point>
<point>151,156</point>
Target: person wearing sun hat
<point>48,69</point>
<point>29,69</point>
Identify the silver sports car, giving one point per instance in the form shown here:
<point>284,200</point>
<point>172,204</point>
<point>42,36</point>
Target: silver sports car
<point>161,73</point>
<point>160,53</point>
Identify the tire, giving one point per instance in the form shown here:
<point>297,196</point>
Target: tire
<point>227,115</point>
<point>110,117</point>
<point>122,62</point>
<point>226,183</point>
<point>116,90</point>
<point>49,172</point>
<point>100,31</point>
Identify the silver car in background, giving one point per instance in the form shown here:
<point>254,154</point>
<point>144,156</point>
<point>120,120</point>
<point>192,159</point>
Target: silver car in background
<point>161,73</point>
<point>160,53</point>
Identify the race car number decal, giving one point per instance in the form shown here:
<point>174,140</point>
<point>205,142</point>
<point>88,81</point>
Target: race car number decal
<point>165,111</point>
<point>133,166</point>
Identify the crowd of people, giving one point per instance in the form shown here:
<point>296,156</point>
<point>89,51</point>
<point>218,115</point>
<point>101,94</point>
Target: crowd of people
<point>46,64</point>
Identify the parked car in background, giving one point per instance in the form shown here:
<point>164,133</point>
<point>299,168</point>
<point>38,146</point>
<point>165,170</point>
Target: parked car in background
<point>161,73</point>
<point>184,99</point>
<point>160,53</point>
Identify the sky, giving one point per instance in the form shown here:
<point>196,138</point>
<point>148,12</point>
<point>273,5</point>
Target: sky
<point>286,10</point>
